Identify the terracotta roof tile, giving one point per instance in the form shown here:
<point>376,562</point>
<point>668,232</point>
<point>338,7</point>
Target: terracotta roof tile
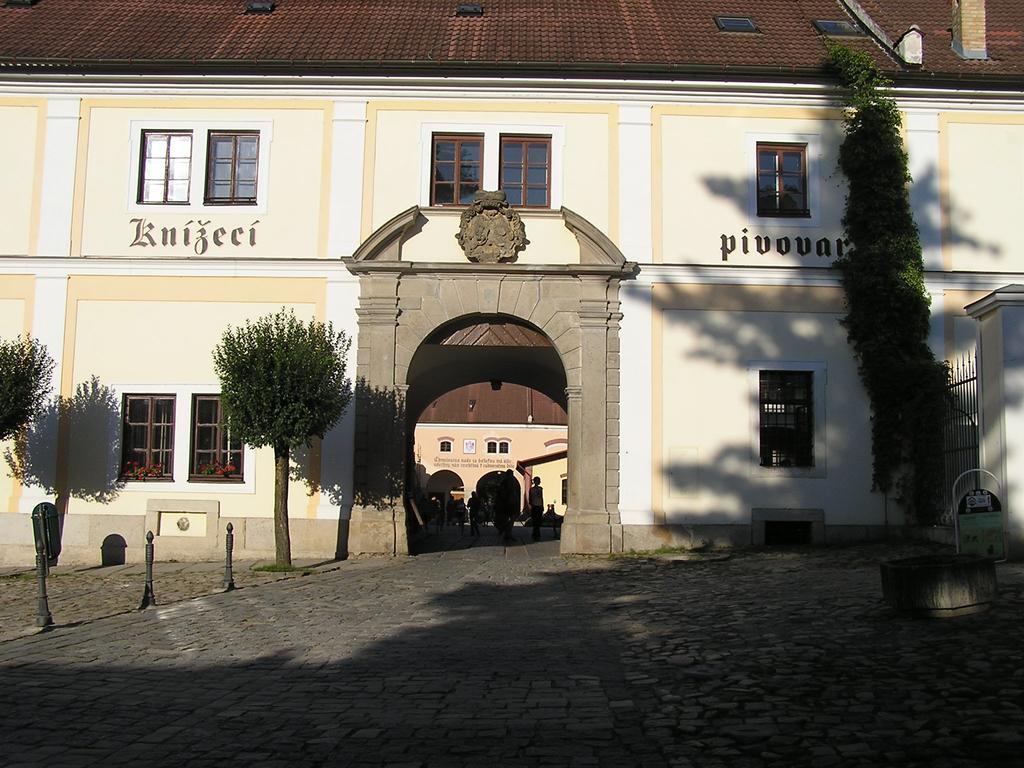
<point>653,35</point>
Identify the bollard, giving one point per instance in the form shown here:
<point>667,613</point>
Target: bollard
<point>148,598</point>
<point>43,617</point>
<point>229,546</point>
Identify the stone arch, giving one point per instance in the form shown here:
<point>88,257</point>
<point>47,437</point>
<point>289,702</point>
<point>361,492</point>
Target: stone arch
<point>402,303</point>
<point>543,368</point>
<point>444,480</point>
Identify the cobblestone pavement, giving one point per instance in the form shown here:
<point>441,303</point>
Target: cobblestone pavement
<point>487,656</point>
<point>78,594</point>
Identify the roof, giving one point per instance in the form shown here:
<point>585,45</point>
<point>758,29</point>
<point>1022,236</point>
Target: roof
<point>654,37</point>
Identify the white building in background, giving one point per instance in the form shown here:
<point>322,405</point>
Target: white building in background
<point>170,170</point>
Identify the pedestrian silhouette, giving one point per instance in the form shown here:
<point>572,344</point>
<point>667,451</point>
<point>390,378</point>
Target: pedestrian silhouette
<point>536,508</point>
<point>474,514</point>
<point>508,505</point>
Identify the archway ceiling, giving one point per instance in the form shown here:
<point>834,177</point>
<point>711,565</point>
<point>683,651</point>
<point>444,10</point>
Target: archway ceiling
<point>496,333</point>
<point>444,480</point>
<point>438,368</point>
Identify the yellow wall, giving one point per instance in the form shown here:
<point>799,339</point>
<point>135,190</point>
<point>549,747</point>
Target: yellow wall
<point>704,173</point>
<point>982,191</point>
<point>152,334</point>
<point>525,442</point>
<point>16,302</point>
<point>292,224</point>
<point>12,317</point>
<point>20,140</point>
<point>548,240</point>
<point>705,464</point>
<point>396,149</point>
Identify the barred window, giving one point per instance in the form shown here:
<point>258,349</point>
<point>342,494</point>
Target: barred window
<point>786,418</point>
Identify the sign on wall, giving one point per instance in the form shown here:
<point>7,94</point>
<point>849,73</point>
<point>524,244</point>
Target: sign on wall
<point>196,234</point>
<point>783,245</point>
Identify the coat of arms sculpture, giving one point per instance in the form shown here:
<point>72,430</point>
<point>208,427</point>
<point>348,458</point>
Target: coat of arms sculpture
<point>490,231</point>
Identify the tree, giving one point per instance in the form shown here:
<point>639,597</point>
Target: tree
<point>282,384</point>
<point>25,371</point>
<point>882,273</point>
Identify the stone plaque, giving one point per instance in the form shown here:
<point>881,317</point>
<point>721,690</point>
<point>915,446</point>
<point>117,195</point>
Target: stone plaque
<point>490,231</point>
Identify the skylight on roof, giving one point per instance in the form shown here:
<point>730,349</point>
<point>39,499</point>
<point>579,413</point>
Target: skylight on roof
<point>836,28</point>
<point>736,24</point>
<point>469,9</point>
<point>260,6</point>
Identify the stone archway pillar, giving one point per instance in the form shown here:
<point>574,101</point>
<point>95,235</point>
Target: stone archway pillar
<point>401,303</point>
<point>592,522</point>
<point>378,513</point>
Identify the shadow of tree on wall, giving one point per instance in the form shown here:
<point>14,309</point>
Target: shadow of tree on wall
<point>381,446</point>
<point>91,419</point>
<point>952,231</point>
<point>710,464</point>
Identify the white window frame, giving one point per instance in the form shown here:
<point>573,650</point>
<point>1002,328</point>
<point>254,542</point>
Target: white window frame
<point>491,160</point>
<point>812,141</point>
<point>182,445</point>
<point>819,372</point>
<point>200,130</point>
<point>497,440</point>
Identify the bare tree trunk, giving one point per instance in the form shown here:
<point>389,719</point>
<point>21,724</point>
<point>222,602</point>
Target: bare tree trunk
<point>282,537</point>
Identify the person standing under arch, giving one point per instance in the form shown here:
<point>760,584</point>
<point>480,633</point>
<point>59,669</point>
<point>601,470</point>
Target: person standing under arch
<point>474,514</point>
<point>536,498</point>
<point>507,506</point>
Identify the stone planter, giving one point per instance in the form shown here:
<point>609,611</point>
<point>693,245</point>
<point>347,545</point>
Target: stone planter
<point>939,585</point>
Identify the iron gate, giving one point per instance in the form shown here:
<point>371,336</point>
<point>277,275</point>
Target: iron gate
<point>960,427</point>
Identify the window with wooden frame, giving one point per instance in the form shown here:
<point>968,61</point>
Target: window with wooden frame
<point>782,180</point>
<point>446,446</point>
<point>786,418</point>
<point>166,163</point>
<point>492,446</point>
<point>216,454</point>
<point>456,168</point>
<point>503,446</point>
<point>232,162</point>
<point>147,437</point>
<point>525,174</point>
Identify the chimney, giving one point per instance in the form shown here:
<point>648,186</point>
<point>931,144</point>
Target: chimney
<point>910,47</point>
<point>969,29</point>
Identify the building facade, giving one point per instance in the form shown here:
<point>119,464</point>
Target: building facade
<point>671,213</point>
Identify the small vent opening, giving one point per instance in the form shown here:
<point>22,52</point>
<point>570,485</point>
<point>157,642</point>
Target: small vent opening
<point>787,533</point>
<point>469,9</point>
<point>260,6</point>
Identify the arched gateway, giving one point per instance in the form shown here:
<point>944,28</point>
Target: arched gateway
<point>405,304</point>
